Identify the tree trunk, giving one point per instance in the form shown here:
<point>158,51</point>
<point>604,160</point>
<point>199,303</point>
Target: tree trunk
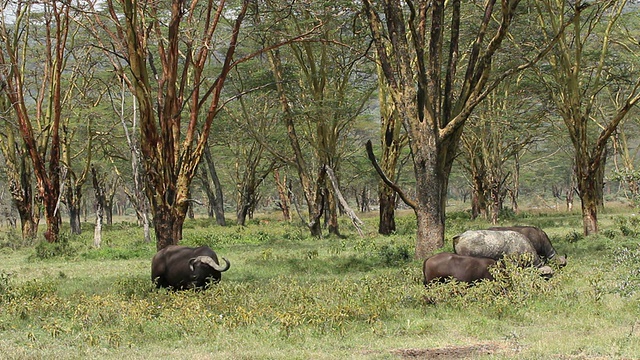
<point>23,200</point>
<point>98,188</point>
<point>97,233</point>
<point>364,203</point>
<point>168,225</point>
<point>515,192</point>
<point>387,198</point>
<point>590,175</point>
<point>74,219</point>
<point>314,198</point>
<point>283,195</point>
<point>52,216</point>
<point>332,219</point>
<point>28,225</point>
<point>19,174</point>
<point>478,197</point>
<point>244,203</point>
<point>108,212</point>
<point>589,215</point>
<point>213,188</point>
<point>431,187</point>
<point>392,144</point>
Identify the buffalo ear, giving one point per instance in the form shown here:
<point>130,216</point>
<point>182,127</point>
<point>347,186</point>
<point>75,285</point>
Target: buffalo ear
<point>191,261</point>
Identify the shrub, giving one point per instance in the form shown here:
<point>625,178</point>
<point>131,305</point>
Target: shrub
<point>133,287</point>
<point>13,239</point>
<point>513,285</point>
<point>29,290</point>
<point>573,237</point>
<point>629,226</point>
<point>5,287</point>
<point>61,248</point>
<point>394,255</point>
<point>627,266</point>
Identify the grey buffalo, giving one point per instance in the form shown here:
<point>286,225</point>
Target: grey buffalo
<point>540,241</point>
<point>181,267</point>
<point>495,245</point>
<point>462,268</point>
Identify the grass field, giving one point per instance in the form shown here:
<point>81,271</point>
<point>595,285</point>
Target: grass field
<point>289,296</point>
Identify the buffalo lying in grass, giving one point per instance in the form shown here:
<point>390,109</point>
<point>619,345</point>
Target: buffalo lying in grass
<point>539,240</point>
<point>498,245</point>
<point>495,245</point>
<point>181,267</point>
<point>460,267</point>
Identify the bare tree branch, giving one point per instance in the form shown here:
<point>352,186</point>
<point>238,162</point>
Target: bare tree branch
<point>411,203</point>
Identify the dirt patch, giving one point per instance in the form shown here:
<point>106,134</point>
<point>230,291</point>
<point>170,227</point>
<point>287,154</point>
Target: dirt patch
<point>452,352</point>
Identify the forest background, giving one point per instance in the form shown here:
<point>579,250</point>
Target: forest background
<point>184,109</point>
<point>140,115</point>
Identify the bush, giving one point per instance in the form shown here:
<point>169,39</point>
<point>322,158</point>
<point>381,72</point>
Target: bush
<point>13,239</point>
<point>629,226</point>
<point>394,255</point>
<point>61,248</point>
<point>513,285</point>
<point>34,289</point>
<point>627,266</point>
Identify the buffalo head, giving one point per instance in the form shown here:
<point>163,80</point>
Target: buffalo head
<point>182,267</point>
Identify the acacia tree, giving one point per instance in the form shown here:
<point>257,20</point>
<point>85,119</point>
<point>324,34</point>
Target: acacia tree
<point>581,67</point>
<point>322,92</point>
<point>624,158</point>
<point>19,171</point>
<point>43,27</point>
<point>212,188</point>
<point>82,96</point>
<point>135,192</point>
<point>392,141</point>
<point>171,57</point>
<point>168,53</point>
<point>251,166</point>
<point>422,67</point>
<point>503,127</point>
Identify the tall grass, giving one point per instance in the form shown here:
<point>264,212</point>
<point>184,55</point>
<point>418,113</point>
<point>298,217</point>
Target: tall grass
<point>290,296</point>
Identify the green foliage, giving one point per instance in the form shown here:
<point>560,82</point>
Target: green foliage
<point>573,236</point>
<point>628,225</point>
<point>513,287</point>
<point>11,238</point>
<point>34,289</point>
<point>61,248</point>
<point>395,255</point>
<point>627,267</point>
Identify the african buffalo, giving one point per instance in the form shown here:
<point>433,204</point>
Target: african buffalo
<point>495,245</point>
<point>460,267</point>
<point>539,239</point>
<point>181,267</point>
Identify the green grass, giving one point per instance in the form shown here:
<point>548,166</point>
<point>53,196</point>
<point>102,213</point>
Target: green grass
<point>289,296</point>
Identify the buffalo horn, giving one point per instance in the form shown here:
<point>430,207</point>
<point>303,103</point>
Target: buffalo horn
<point>209,261</point>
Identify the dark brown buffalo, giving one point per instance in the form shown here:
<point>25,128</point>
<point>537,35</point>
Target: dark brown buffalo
<point>540,241</point>
<point>181,267</point>
<point>460,267</point>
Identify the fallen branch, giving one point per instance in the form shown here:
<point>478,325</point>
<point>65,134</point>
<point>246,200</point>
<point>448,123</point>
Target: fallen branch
<point>411,203</point>
<point>357,223</point>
